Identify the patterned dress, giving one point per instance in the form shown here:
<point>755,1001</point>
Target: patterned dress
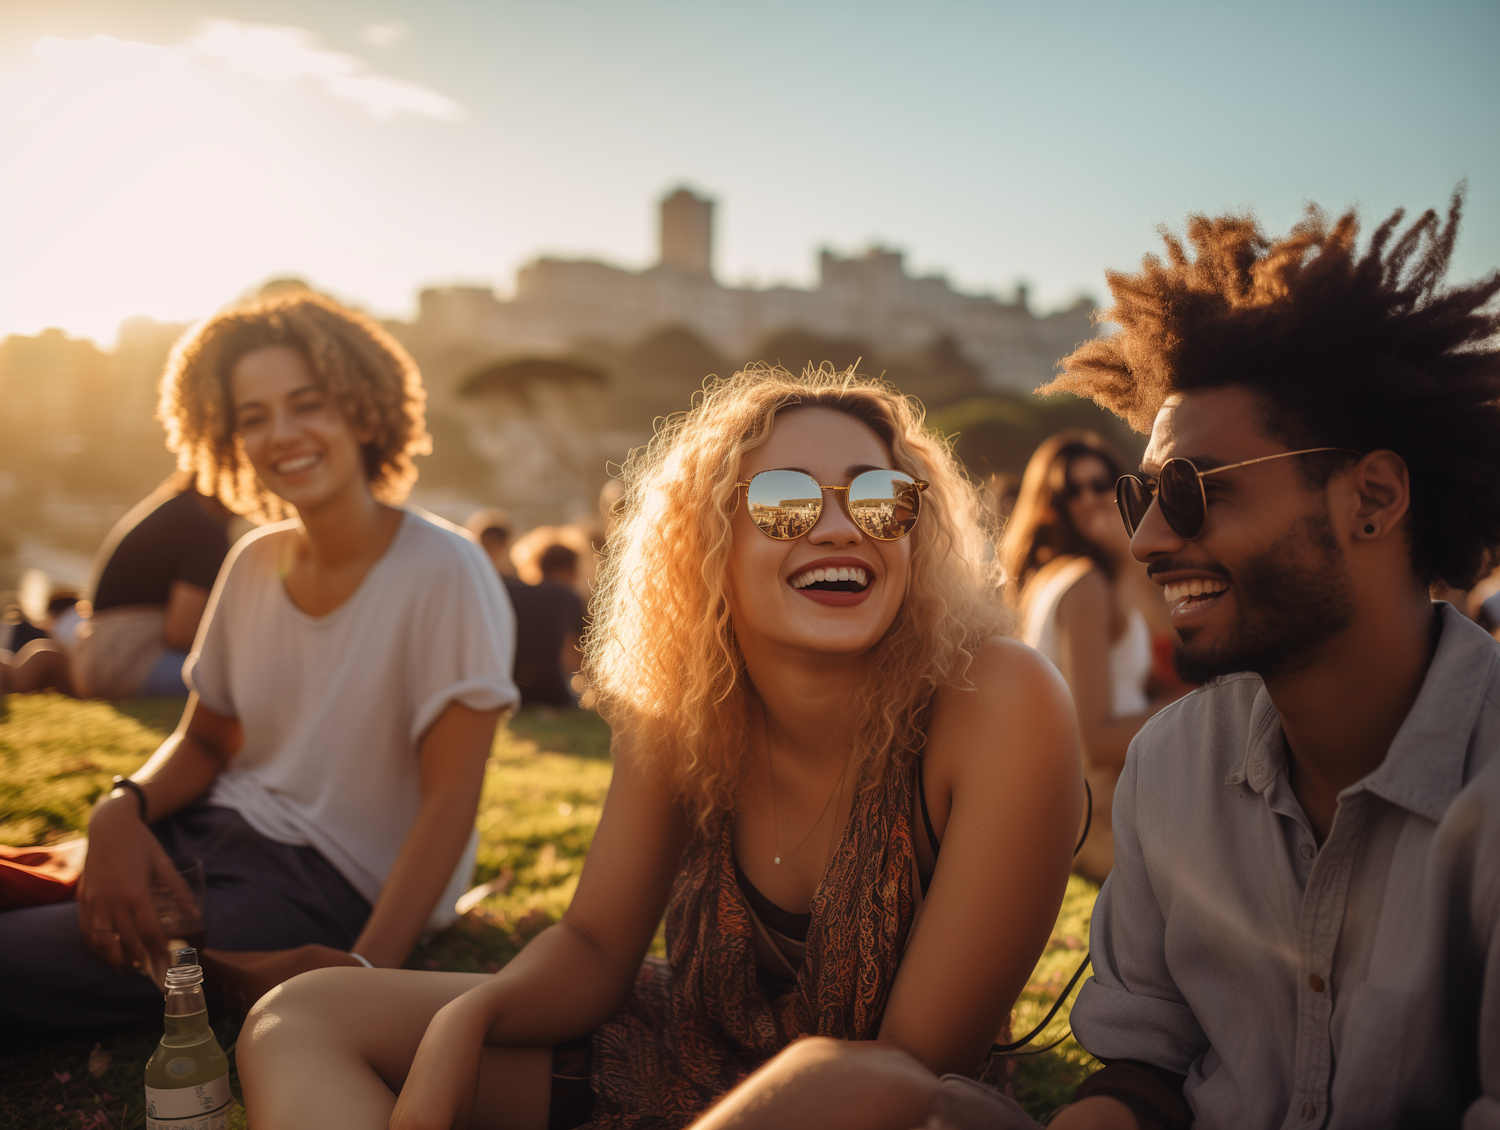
<point>697,1023</point>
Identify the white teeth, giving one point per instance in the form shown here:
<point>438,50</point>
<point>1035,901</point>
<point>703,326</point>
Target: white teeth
<point>1198,586</point>
<point>292,466</point>
<point>813,576</point>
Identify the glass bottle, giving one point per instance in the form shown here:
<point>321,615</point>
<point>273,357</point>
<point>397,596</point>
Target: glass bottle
<point>187,1077</point>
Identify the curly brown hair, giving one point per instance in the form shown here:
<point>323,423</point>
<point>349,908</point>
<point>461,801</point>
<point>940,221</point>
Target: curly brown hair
<point>1365,352</point>
<point>371,378</point>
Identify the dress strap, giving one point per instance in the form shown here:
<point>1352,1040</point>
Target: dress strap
<point>932,836</point>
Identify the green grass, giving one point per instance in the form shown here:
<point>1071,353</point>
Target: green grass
<point>542,797</point>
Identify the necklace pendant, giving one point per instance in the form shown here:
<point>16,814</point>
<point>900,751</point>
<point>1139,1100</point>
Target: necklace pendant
<point>776,860</point>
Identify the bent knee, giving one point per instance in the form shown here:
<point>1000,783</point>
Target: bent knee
<point>824,1053</point>
<point>296,1005</point>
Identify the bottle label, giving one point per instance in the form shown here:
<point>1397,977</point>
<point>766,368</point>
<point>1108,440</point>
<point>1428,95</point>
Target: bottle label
<point>204,1107</point>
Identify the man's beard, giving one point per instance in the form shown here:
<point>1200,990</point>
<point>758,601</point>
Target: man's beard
<point>1290,601</point>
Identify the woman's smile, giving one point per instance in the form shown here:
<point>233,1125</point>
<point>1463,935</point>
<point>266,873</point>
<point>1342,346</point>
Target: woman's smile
<point>296,464</point>
<point>839,582</point>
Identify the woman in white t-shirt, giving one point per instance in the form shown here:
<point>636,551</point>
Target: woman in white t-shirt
<point>1086,605</point>
<point>348,676</point>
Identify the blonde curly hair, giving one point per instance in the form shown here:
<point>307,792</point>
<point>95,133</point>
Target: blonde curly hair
<point>371,378</point>
<point>661,657</point>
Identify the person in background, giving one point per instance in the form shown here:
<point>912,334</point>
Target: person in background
<point>159,564</point>
<point>348,675</point>
<point>1080,598</point>
<point>36,656</point>
<point>493,530</point>
<point>549,625</point>
<point>152,579</point>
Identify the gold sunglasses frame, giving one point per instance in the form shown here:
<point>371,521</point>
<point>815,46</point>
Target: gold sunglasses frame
<point>920,484</point>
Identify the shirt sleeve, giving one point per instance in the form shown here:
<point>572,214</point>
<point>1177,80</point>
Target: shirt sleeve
<point>207,668</point>
<point>1131,1008</point>
<point>465,650</point>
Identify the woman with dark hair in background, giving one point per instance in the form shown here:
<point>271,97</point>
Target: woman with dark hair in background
<point>1082,600</point>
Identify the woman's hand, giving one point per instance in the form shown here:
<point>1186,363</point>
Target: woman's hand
<point>115,915</point>
<point>439,1090</point>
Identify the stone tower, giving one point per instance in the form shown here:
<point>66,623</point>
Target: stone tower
<point>687,233</point>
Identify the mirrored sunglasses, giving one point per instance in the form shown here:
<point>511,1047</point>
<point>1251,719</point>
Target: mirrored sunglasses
<point>787,504</point>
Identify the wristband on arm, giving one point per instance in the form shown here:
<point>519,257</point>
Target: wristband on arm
<point>124,785</point>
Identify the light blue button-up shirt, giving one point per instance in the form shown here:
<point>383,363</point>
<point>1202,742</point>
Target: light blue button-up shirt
<point>1356,985</point>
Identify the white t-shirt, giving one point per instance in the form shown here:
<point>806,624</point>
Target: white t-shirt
<point>333,708</point>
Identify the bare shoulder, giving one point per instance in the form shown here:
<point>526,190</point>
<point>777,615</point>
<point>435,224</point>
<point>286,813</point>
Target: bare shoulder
<point>1088,596</point>
<point>1004,677</point>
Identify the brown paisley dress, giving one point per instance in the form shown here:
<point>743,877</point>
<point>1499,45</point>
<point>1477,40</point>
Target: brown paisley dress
<point>700,1021</point>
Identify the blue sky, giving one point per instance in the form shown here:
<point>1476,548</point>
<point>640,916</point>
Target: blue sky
<point>378,148</point>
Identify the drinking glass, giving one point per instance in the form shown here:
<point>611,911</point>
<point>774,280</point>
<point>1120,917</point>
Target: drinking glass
<point>181,908</point>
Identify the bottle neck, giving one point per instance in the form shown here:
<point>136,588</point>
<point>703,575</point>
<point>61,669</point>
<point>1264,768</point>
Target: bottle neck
<point>186,1001</point>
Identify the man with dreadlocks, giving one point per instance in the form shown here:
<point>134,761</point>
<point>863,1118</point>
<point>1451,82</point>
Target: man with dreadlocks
<point>1302,928</point>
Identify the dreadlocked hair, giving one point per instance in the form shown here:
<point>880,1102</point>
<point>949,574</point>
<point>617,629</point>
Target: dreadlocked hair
<point>661,657</point>
<point>366,372</point>
<point>1362,351</point>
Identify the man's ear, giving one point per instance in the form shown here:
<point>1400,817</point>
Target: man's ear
<point>1382,489</point>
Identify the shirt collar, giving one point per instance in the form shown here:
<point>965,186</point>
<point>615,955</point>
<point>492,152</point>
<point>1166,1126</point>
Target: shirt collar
<point>1424,769</point>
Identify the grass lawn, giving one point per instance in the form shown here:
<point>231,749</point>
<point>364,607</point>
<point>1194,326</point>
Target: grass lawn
<point>542,798</point>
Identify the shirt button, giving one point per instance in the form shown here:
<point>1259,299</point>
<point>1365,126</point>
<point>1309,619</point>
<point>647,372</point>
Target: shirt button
<point>1307,851</point>
<point>1309,1110</point>
<point>1316,984</point>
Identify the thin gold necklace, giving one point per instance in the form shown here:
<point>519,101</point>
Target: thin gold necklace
<point>838,788</point>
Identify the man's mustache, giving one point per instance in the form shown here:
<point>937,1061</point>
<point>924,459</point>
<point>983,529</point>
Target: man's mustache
<point>1171,564</point>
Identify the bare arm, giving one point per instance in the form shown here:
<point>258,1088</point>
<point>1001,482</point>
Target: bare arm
<point>114,893</point>
<point>185,605</point>
<point>1084,615</point>
<point>453,754</point>
<point>573,976</point>
<point>1004,779</point>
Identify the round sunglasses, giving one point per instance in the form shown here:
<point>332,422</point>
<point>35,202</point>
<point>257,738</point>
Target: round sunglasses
<point>787,504</point>
<point>1178,489</point>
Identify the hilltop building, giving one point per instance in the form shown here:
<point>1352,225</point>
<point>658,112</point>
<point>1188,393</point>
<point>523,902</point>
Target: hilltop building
<point>550,385</point>
<point>561,304</point>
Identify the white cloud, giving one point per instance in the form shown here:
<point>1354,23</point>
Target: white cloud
<point>282,55</point>
<point>272,54</point>
<point>386,34</point>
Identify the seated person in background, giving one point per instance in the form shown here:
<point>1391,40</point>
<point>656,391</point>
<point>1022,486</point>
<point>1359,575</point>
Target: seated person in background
<point>36,655</point>
<point>1080,597</point>
<point>348,676</point>
<point>859,800</point>
<point>492,529</point>
<point>159,563</point>
<point>1302,927</point>
<point>549,624</point>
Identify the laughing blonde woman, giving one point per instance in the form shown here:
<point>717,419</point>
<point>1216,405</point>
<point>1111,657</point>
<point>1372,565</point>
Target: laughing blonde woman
<point>853,799</point>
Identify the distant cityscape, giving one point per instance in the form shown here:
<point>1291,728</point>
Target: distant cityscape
<point>533,396</point>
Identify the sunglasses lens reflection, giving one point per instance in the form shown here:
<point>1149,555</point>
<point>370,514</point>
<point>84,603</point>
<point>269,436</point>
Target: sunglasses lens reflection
<point>784,504</point>
<point>884,504</point>
<point>1181,498</point>
<point>1134,499</point>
